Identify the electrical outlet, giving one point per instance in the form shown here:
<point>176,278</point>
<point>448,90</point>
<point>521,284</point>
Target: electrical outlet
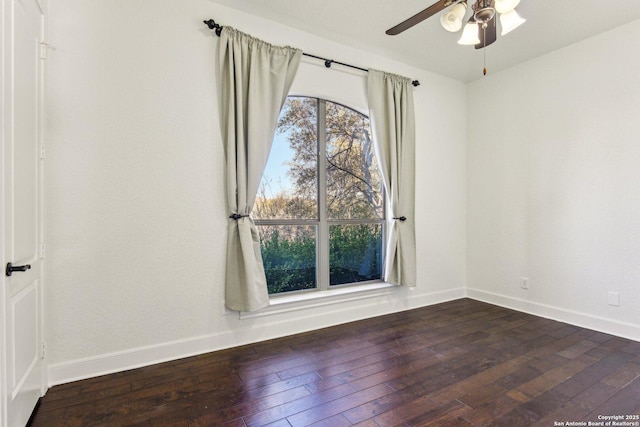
<point>524,283</point>
<point>614,299</point>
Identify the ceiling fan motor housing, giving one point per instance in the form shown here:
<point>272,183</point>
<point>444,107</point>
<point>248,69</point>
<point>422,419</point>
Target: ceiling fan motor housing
<point>484,10</point>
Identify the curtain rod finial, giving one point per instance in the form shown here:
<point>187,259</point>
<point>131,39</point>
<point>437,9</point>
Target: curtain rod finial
<point>415,83</point>
<point>213,26</point>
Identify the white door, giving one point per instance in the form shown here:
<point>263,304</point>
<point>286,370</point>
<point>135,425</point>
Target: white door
<point>22,376</point>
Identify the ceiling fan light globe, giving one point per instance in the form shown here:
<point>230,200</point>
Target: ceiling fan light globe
<point>470,34</point>
<point>452,20</point>
<point>510,21</point>
<point>506,6</point>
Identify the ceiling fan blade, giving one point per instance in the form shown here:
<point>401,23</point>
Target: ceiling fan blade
<point>488,35</point>
<point>420,16</point>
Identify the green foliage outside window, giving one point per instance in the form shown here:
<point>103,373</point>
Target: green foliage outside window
<point>355,253</point>
<point>289,257</point>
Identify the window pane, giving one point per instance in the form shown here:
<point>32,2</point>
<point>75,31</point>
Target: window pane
<point>289,257</point>
<point>353,180</point>
<point>289,186</point>
<point>355,253</point>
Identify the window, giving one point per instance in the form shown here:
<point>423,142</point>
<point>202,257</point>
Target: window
<point>320,205</point>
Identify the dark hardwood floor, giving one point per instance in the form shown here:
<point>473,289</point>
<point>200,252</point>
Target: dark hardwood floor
<point>460,363</point>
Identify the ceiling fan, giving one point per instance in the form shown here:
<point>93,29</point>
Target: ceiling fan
<point>480,29</point>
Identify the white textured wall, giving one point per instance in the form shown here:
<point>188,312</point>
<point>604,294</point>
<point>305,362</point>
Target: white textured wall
<point>136,218</point>
<point>554,183</point>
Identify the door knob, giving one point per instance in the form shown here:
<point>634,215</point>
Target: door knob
<point>11,268</point>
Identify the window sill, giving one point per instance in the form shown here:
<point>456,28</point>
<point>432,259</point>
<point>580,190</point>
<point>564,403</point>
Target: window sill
<point>306,300</point>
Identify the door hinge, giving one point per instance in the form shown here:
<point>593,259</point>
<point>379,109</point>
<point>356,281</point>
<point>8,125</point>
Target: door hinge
<point>42,350</point>
<point>43,151</point>
<point>43,250</point>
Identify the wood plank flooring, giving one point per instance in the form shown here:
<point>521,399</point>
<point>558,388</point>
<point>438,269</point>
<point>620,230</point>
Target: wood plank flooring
<point>460,363</point>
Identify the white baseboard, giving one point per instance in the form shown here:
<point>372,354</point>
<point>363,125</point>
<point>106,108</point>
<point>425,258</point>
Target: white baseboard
<point>103,364</point>
<point>255,331</point>
<point>425,300</point>
<point>583,320</point>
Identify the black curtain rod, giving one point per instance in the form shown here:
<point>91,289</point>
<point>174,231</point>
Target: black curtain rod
<point>327,62</point>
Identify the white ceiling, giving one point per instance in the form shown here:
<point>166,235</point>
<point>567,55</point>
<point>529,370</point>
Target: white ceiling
<point>551,24</point>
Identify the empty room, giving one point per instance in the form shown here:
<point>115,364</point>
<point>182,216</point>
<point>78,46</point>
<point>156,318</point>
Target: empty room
<point>332,213</point>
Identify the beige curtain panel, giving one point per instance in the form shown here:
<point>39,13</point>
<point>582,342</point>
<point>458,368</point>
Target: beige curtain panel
<point>255,78</point>
<point>392,117</point>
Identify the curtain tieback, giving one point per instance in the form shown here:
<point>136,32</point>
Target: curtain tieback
<point>401,218</point>
<point>236,216</point>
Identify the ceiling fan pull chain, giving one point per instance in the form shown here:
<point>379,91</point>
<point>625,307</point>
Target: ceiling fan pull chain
<point>484,50</point>
<point>484,70</point>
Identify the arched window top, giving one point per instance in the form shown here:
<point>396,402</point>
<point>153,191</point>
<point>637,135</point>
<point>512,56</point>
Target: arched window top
<point>306,128</point>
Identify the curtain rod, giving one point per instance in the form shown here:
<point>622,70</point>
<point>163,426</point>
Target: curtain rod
<point>327,62</point>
